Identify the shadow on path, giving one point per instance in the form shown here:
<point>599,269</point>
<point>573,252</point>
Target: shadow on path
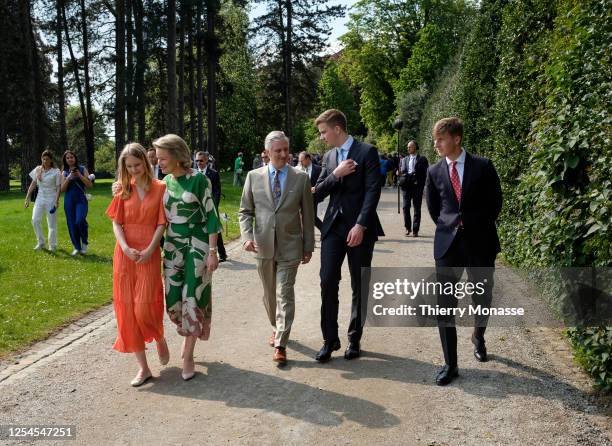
<point>249,389</point>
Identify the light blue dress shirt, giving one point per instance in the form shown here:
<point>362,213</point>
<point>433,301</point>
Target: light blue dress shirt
<point>282,176</point>
<point>343,150</point>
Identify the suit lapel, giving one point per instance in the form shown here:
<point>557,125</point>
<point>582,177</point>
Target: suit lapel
<point>266,181</point>
<point>351,149</point>
<point>288,185</point>
<point>467,175</point>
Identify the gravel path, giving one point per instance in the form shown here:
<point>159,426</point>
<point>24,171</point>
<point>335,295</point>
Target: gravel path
<point>530,392</point>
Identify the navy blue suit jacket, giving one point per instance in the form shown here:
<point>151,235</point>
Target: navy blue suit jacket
<point>481,203</point>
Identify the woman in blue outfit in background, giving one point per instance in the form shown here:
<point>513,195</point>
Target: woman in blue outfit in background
<point>75,182</point>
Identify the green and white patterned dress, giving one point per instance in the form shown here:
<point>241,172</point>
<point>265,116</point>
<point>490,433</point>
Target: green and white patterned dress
<point>191,217</point>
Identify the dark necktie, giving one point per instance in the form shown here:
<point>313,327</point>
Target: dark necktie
<point>455,181</point>
<point>276,188</point>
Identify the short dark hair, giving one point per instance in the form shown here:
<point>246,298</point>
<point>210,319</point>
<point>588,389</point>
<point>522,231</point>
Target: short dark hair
<point>306,155</point>
<point>150,148</point>
<point>415,143</point>
<point>332,118</point>
<point>453,126</point>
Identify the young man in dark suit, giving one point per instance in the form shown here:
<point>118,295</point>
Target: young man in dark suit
<point>305,163</point>
<point>202,165</point>
<point>350,176</point>
<point>414,168</point>
<point>464,199</point>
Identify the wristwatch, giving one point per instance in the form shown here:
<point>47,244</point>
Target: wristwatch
<point>212,249</point>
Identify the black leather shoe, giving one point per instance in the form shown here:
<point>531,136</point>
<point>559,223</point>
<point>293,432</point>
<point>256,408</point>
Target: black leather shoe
<point>352,351</point>
<point>480,351</point>
<point>325,353</point>
<point>446,375</point>
<point>222,259</point>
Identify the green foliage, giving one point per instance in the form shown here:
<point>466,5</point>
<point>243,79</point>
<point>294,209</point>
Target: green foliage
<point>593,351</point>
<point>476,89</point>
<point>334,92</point>
<point>105,160</point>
<point>410,107</point>
<point>429,55</point>
<point>441,104</point>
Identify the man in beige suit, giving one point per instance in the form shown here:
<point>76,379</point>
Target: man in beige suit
<point>277,224</point>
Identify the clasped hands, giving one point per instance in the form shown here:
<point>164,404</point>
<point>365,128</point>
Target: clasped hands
<point>136,255</point>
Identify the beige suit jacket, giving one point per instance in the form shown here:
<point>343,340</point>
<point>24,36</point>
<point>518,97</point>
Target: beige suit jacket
<point>283,233</point>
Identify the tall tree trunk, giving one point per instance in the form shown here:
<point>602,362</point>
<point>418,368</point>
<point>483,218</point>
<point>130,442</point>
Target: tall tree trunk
<point>181,73</point>
<point>4,98</point>
<point>288,56</point>
<point>61,95</point>
<point>211,87</point>
<point>129,72</point>
<point>171,109</point>
<point>75,72</point>
<point>190,72</point>
<point>28,155</point>
<point>89,118</point>
<point>200,99</point>
<point>141,60</point>
<point>119,76</point>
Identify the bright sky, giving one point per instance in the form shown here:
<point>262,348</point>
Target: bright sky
<point>338,25</point>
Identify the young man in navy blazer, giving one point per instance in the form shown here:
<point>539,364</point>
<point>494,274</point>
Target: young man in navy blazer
<point>350,177</point>
<point>464,199</point>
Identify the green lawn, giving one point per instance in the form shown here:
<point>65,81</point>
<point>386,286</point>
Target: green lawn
<point>41,291</point>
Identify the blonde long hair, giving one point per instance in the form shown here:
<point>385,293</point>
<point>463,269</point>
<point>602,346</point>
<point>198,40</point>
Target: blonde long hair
<point>137,151</point>
<point>177,148</point>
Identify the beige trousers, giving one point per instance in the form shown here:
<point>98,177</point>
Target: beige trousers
<point>279,301</point>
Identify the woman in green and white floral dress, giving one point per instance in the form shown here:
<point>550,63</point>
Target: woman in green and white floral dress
<point>190,249</point>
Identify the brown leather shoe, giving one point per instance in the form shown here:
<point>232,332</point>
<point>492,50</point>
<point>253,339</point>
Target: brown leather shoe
<point>280,355</point>
<point>271,339</point>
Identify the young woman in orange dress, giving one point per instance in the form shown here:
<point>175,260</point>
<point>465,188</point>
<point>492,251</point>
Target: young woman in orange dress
<point>139,220</point>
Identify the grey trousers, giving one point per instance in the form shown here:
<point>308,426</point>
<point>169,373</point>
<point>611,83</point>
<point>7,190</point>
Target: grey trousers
<point>279,301</point>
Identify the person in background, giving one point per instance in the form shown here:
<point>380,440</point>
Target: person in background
<point>204,167</point>
<point>139,221</point>
<point>75,181</point>
<point>313,171</point>
<point>190,251</point>
<point>257,163</point>
<point>157,173</point>
<point>414,168</point>
<point>265,158</point>
<point>383,170</point>
<point>238,165</point>
<point>48,180</point>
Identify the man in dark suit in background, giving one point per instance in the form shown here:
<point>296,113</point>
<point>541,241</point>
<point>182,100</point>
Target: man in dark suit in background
<point>201,160</point>
<point>305,163</point>
<point>414,168</point>
<point>350,176</point>
<point>464,199</point>
<point>157,172</point>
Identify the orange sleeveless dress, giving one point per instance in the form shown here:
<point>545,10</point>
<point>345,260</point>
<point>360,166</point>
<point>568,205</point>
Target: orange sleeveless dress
<point>137,288</point>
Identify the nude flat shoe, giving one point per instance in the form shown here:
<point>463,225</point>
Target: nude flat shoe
<point>140,380</point>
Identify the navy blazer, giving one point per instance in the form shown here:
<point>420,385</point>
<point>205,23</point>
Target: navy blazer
<point>481,203</point>
<point>356,194</point>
